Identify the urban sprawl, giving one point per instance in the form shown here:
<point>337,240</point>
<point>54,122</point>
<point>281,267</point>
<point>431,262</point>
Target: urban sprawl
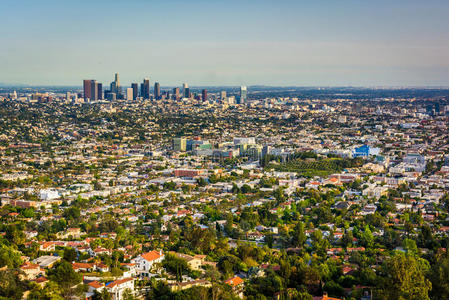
<point>223,192</point>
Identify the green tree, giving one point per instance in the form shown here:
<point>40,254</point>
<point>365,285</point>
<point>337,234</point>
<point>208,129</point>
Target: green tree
<point>299,235</point>
<point>403,277</point>
<point>439,276</point>
<point>9,257</point>
<point>64,275</point>
<point>69,254</point>
<point>176,266</point>
<point>11,287</point>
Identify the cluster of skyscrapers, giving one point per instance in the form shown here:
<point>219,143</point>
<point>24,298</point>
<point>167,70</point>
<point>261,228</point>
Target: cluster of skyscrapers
<point>93,91</point>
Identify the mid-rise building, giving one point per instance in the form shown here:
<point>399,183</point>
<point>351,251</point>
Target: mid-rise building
<point>179,144</point>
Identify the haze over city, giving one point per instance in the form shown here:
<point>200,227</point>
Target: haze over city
<point>299,43</point>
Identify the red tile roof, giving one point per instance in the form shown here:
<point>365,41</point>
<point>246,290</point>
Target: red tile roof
<point>235,281</point>
<point>95,284</point>
<point>118,282</point>
<point>152,255</point>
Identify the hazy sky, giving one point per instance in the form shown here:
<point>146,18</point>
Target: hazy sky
<point>226,42</point>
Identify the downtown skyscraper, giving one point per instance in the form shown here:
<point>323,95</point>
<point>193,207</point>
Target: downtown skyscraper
<point>243,95</point>
<point>176,93</point>
<point>145,89</point>
<point>92,90</point>
<point>157,91</point>
<point>115,86</point>
<point>135,88</point>
<point>186,90</point>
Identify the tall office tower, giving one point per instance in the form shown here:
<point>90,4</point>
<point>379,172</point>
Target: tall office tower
<point>87,89</point>
<point>243,94</point>
<point>94,90</point>
<point>204,95</point>
<point>117,82</point>
<point>129,94</point>
<point>157,91</point>
<point>176,94</point>
<point>223,95</point>
<point>145,89</point>
<point>115,86</point>
<point>135,88</point>
<point>186,90</point>
<point>68,96</point>
<point>100,91</point>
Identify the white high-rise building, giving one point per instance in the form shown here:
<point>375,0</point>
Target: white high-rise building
<point>129,94</point>
<point>243,94</point>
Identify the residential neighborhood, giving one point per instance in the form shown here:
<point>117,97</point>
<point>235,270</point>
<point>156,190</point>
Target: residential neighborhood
<point>324,194</point>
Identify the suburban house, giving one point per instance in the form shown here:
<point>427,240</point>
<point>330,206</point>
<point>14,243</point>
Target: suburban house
<point>145,262</point>
<point>194,262</point>
<point>237,285</point>
<point>117,288</point>
<point>31,271</point>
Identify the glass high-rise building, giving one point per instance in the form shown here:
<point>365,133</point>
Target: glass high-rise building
<point>176,93</point>
<point>157,91</point>
<point>100,91</point>
<point>94,90</point>
<point>186,90</point>
<point>145,89</point>
<point>204,95</point>
<point>135,88</point>
<point>243,94</point>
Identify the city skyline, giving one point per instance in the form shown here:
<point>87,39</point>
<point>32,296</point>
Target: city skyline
<point>284,43</point>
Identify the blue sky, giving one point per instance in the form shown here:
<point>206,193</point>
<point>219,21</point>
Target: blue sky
<point>284,42</point>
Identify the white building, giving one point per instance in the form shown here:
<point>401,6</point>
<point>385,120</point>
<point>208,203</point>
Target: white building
<point>118,287</point>
<point>49,194</point>
<point>129,94</point>
<point>145,262</point>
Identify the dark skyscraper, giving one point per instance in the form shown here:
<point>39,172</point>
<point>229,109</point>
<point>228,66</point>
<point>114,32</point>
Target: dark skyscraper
<point>145,89</point>
<point>204,95</point>
<point>87,89</point>
<point>135,88</point>
<point>100,91</point>
<point>176,93</point>
<point>94,90</point>
<point>186,90</point>
<point>157,91</point>
<point>115,86</point>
